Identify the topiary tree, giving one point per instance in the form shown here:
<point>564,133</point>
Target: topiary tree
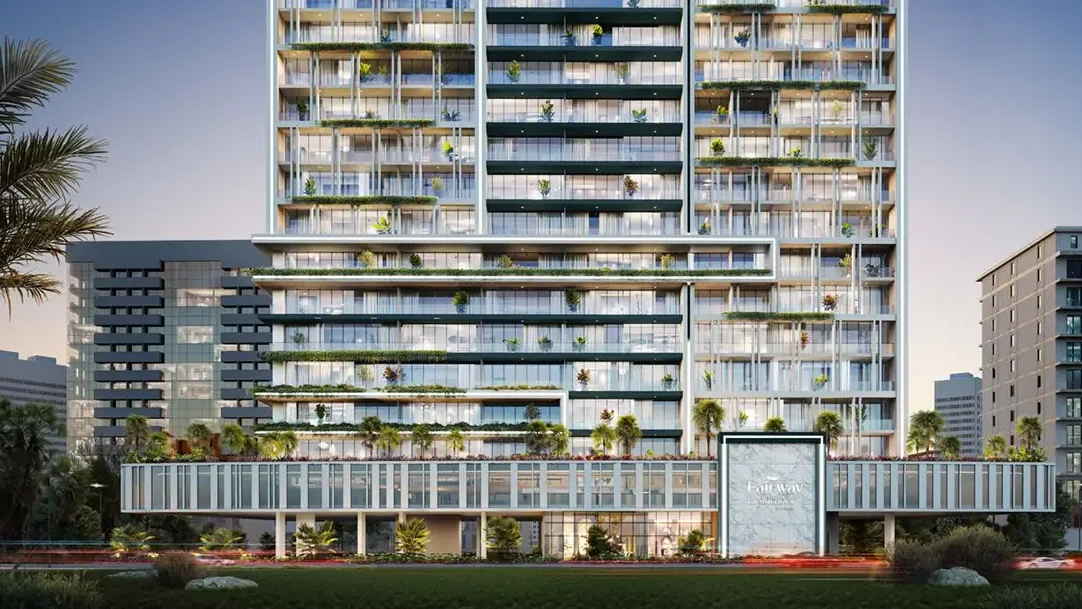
<point>707,416</point>
<point>829,424</point>
<point>774,425</point>
<point>411,536</point>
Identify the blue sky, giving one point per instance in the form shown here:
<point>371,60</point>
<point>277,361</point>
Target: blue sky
<point>178,89</point>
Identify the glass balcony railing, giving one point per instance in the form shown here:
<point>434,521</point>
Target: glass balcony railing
<point>480,305</point>
<point>782,195</point>
<point>579,154</point>
<point>624,116</point>
<point>323,157</point>
<point>808,385</point>
<point>519,345</point>
<point>434,33</point>
<point>782,348</point>
<point>585,3</point>
<point>800,3</point>
<point>597,77</point>
<point>581,37</point>
<point>579,228</point>
<point>369,4</point>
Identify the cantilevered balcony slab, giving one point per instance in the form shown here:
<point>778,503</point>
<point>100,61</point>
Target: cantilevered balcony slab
<point>583,205</point>
<point>614,12</point>
<point>585,91</point>
<point>582,129</point>
<point>618,167</point>
<point>584,52</point>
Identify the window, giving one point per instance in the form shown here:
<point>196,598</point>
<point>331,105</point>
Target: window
<point>993,420</point>
<point>993,324</point>
<point>1038,408</point>
<point>1074,352</point>
<point>1073,379</point>
<point>1014,267</point>
<point>1074,268</point>
<point>1074,297</point>
<point>1012,416</point>
<point>1038,383</point>
<point>993,372</point>
<point>1074,435</point>
<point>1074,324</point>
<point>1039,299</point>
<point>993,348</point>
<point>993,300</point>
<point>993,397</point>
<point>1012,316</point>
<point>1038,355</point>
<point>1012,340</point>
<point>1012,290</point>
<point>1012,439</point>
<point>1039,327</point>
<point>1073,407</point>
<point>1074,241</point>
<point>1038,276</point>
<point>1012,395</point>
<point>1039,252</point>
<point>1074,463</point>
<point>1012,364</point>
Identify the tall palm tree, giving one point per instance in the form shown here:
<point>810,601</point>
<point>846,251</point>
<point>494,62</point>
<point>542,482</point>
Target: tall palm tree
<point>136,431</point>
<point>774,425</point>
<point>829,424</point>
<point>923,428</point>
<point>995,448</point>
<point>370,428</point>
<point>421,438</point>
<point>40,172</point>
<point>199,437</point>
<point>628,432</point>
<point>950,447</point>
<point>604,437</point>
<point>1029,433</point>
<point>707,417</point>
<point>23,456</point>
<point>559,440</point>
<point>455,441</point>
<point>289,442</point>
<point>234,437</point>
<point>388,440</point>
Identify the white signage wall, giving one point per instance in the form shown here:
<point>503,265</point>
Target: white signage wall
<point>772,501</point>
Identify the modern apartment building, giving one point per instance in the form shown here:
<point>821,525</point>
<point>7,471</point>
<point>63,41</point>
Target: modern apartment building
<point>35,380</point>
<point>567,210</point>
<point>163,329</point>
<point>1031,347</point>
<point>958,401</point>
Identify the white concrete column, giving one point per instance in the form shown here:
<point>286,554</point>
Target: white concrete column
<point>401,517</point>
<point>888,530</point>
<point>482,545</point>
<point>362,534</point>
<point>279,535</point>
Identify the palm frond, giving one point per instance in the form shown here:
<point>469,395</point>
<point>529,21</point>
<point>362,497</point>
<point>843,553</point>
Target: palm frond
<point>35,286</point>
<point>30,71</point>
<point>46,166</point>
<point>32,233</point>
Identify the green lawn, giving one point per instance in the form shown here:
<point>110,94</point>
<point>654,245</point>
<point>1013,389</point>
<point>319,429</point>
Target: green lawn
<point>529,588</point>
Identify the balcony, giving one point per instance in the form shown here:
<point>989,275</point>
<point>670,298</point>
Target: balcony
<point>555,349</point>
<point>630,120</point>
<point>577,43</point>
<point>407,5</point>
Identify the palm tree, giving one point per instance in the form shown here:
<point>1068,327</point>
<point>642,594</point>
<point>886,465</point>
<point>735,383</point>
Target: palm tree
<point>774,425</point>
<point>923,428</point>
<point>455,442</point>
<point>421,438</point>
<point>1029,433</point>
<point>604,437</point>
<point>313,542</point>
<point>136,431</point>
<point>995,448</point>
<point>128,537</point>
<point>39,173</point>
<point>950,447</point>
<point>288,442</point>
<point>199,438</point>
<point>23,457</point>
<point>829,424</point>
<point>388,440</point>
<point>559,440</point>
<point>159,446</point>
<point>411,536</point>
<point>707,416</point>
<point>234,437</point>
<point>370,428</point>
<point>628,432</point>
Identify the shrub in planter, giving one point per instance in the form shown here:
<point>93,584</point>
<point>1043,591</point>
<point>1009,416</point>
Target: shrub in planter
<point>47,591</point>
<point>514,71</point>
<point>912,562</point>
<point>717,147</point>
<point>175,569</point>
<point>547,111</point>
<point>460,300</point>
<point>416,261</point>
<point>979,548</point>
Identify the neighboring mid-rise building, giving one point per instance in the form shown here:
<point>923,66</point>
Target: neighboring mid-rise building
<point>35,380</point>
<point>163,329</point>
<point>1031,347</point>
<point>958,401</point>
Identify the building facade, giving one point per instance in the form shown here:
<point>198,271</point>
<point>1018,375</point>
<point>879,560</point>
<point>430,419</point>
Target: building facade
<point>163,329</point>
<point>630,207</point>
<point>35,380</point>
<point>958,401</point>
<point>1031,347</point>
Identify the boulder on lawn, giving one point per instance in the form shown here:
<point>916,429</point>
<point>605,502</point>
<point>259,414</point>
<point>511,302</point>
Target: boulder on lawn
<point>957,576</point>
<point>145,574</point>
<point>220,583</point>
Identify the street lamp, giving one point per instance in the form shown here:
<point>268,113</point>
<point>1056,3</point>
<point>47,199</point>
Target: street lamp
<point>97,486</point>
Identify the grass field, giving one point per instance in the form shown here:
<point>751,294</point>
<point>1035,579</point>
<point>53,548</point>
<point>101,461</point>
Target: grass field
<point>539,588</point>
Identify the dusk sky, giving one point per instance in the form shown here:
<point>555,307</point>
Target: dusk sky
<point>178,90</point>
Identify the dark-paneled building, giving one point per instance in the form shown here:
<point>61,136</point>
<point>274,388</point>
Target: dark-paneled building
<point>165,329</point>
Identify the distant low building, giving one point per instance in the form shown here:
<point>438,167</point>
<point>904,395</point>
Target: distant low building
<point>958,401</point>
<point>36,380</point>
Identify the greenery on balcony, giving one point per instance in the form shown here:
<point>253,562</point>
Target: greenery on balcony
<point>788,161</point>
<point>332,389</point>
<point>778,316</point>
<point>847,9</point>
<point>350,355</point>
<point>362,200</point>
<point>389,45</point>
<point>377,122</point>
<point>747,7</point>
<point>356,427</point>
<point>778,85</point>
<point>519,271</point>
<point>519,388</point>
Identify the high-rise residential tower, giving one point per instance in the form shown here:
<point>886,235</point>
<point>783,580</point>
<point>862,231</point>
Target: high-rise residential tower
<point>594,207</point>
<point>1031,347</point>
<point>958,401</point>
